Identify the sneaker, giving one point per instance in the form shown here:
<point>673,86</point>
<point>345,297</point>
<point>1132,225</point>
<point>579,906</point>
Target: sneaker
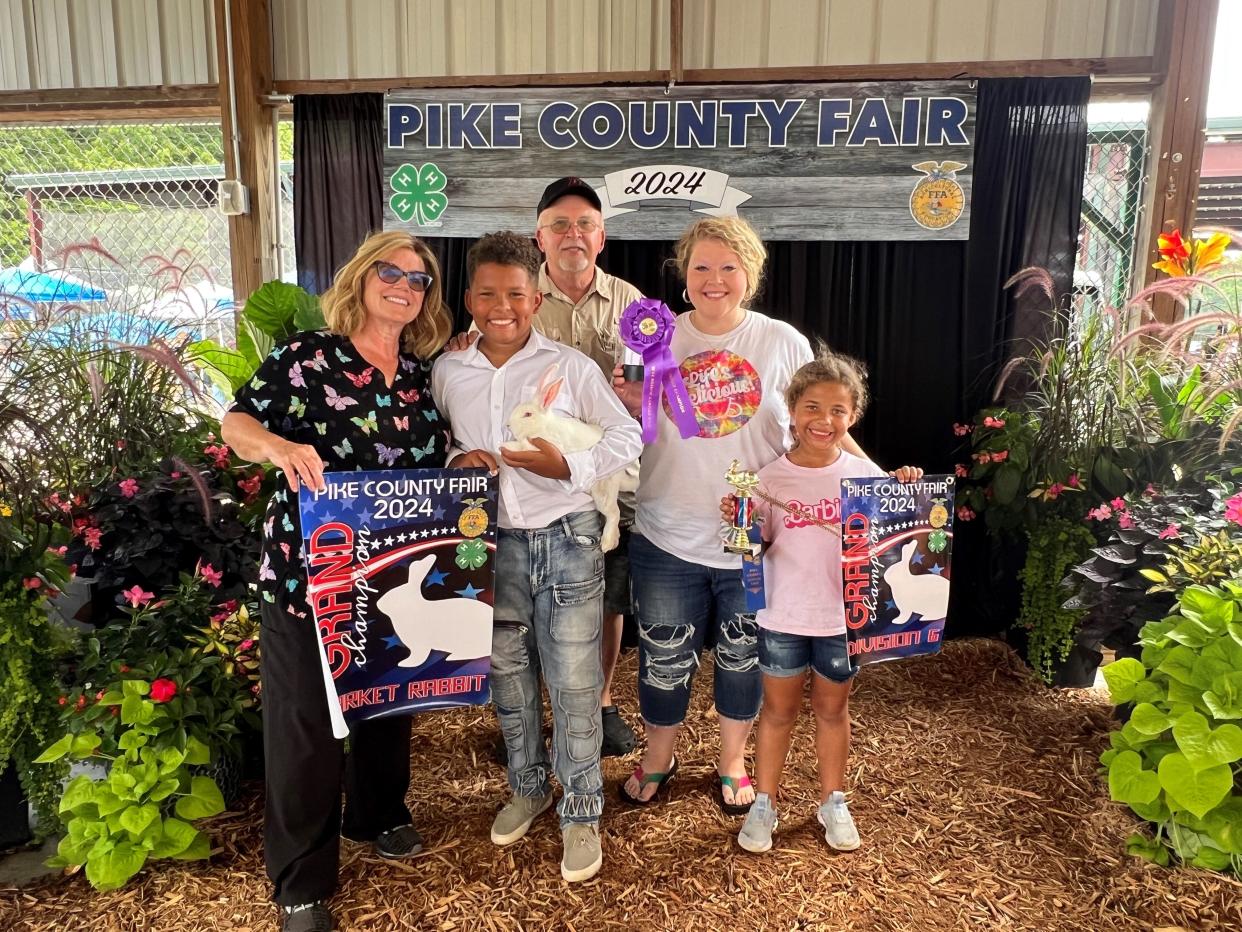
<point>513,821</point>
<point>582,856</point>
<point>619,738</point>
<point>839,830</point>
<point>761,822</point>
<point>400,842</point>
<point>309,917</point>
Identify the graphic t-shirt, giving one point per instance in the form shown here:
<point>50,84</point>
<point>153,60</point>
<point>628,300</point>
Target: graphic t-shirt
<point>802,562</point>
<point>737,382</point>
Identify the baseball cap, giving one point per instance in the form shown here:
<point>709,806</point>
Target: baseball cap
<point>565,186</point>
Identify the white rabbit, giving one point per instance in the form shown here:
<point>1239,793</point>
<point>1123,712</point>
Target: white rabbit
<point>461,627</point>
<point>926,595</point>
<point>570,435</point>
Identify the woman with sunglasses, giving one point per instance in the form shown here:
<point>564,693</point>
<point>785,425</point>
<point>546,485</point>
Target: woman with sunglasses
<point>352,397</point>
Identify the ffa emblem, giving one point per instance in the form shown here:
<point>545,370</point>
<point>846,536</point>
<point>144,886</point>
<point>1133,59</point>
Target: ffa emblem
<point>473,520</point>
<point>937,200</point>
<point>939,515</point>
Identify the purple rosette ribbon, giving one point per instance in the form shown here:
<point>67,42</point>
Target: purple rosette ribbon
<point>647,328</point>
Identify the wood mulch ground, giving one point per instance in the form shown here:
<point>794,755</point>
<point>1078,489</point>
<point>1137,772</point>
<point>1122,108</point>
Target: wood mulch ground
<point>974,787</point>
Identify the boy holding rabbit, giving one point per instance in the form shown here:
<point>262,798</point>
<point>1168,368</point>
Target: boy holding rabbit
<point>549,563</point>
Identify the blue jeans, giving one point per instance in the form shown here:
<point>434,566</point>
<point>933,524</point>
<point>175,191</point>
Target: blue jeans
<point>782,654</point>
<point>676,601</point>
<point>548,618</point>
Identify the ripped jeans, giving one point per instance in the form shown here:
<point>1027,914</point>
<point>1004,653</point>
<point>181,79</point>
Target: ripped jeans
<point>676,601</point>
<point>548,618</point>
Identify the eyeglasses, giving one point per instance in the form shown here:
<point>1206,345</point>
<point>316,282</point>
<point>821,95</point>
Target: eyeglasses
<point>390,274</point>
<point>560,226</point>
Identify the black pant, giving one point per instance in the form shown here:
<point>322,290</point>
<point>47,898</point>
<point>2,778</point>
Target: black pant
<point>305,764</point>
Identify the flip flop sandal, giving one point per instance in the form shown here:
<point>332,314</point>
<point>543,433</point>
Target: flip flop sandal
<point>734,784</point>
<point>660,779</point>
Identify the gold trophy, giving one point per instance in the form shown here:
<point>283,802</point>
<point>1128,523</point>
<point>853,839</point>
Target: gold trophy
<point>737,540</point>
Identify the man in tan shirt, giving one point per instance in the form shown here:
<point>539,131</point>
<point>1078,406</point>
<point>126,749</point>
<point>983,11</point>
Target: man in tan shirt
<point>582,305</point>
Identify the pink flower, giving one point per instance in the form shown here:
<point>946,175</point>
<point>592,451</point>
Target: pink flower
<point>246,644</point>
<point>1000,456</point>
<point>32,582</point>
<point>1233,509</point>
<point>211,576</point>
<point>962,429</point>
<point>983,457</point>
<point>219,618</point>
<point>136,596</point>
<point>1119,504</point>
<point>251,486</point>
<point>1072,481</point>
<point>1150,491</point>
<point>1103,513</point>
<point>174,475</point>
<point>1054,491</point>
<point>961,470</point>
<point>1172,532</point>
<point>994,422</point>
<point>219,455</point>
<point>129,488</point>
<point>964,513</point>
<point>92,535</point>
<point>1124,521</point>
<point>162,690</point>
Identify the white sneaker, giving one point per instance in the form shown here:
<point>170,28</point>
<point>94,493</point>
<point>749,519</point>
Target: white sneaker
<point>761,822</point>
<point>839,829</point>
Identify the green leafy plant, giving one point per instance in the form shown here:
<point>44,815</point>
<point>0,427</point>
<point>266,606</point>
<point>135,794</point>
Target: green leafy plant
<point>1175,762</point>
<point>276,311</point>
<point>145,807</point>
<point>1054,546</point>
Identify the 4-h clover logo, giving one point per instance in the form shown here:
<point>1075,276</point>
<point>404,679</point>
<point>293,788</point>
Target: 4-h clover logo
<point>937,540</point>
<point>418,193</point>
<point>471,554</point>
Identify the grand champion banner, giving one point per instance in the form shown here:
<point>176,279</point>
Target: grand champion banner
<point>896,552</point>
<point>400,565</point>
<point>848,161</point>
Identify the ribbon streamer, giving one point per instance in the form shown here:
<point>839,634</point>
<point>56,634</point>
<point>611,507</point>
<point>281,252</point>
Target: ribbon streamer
<point>647,328</point>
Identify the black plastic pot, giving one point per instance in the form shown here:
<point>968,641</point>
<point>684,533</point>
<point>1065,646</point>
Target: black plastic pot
<point>14,811</point>
<point>1077,671</point>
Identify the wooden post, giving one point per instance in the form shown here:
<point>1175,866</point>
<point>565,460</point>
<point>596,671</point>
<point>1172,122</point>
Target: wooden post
<point>1178,117</point>
<point>675,41</point>
<point>250,159</point>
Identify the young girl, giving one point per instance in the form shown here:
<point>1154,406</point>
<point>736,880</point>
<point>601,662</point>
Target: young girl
<point>803,624</point>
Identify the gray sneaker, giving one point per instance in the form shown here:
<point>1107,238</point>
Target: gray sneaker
<point>761,822</point>
<point>839,830</point>
<point>582,856</point>
<point>513,821</point>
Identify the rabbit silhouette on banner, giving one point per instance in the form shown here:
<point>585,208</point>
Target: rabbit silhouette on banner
<point>460,627</point>
<point>925,595</point>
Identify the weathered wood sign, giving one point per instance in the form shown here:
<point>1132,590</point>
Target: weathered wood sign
<point>871,161</point>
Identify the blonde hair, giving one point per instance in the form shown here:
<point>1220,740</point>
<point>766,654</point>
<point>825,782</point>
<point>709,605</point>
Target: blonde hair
<point>835,368</point>
<point>344,312</point>
<point>737,235</point>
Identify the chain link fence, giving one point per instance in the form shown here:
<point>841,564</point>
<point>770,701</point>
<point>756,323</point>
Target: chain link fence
<point>1112,201</point>
<point>118,223</point>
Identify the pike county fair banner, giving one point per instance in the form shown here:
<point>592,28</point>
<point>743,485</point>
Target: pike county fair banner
<point>874,161</point>
<point>401,565</point>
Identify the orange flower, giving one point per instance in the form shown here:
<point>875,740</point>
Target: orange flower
<point>1172,246</point>
<point>1194,257</point>
<point>1210,253</point>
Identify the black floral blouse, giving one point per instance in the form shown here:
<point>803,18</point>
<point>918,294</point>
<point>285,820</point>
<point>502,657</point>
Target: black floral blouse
<point>316,389</point>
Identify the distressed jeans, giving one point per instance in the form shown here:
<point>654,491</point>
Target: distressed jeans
<point>676,601</point>
<point>548,619</point>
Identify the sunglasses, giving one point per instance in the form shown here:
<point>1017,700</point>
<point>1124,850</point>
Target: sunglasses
<point>390,274</point>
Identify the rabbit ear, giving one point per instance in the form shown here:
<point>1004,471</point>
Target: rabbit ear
<point>907,551</point>
<point>550,393</point>
<point>546,378</point>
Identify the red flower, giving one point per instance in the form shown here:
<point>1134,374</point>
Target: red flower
<point>99,696</point>
<point>162,690</point>
<point>1000,456</point>
<point>1172,532</point>
<point>137,596</point>
<point>81,703</point>
<point>32,582</point>
<point>92,535</point>
<point>212,577</point>
<point>961,470</point>
<point>62,700</point>
<point>123,668</point>
<point>964,513</point>
<point>129,487</point>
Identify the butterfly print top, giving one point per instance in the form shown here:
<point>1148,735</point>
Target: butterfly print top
<point>316,389</point>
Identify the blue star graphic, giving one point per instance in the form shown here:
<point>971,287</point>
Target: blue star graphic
<point>937,569</point>
<point>392,641</point>
<point>438,514</point>
<point>435,578</point>
<point>917,558</point>
<point>469,592</point>
<point>889,605</point>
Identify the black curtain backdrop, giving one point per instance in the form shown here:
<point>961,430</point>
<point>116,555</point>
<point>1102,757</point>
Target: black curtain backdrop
<point>931,320</point>
<point>338,186</point>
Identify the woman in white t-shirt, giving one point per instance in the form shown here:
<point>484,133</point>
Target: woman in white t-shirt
<point>736,363</point>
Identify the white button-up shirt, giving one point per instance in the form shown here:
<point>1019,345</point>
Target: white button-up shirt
<point>477,398</point>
